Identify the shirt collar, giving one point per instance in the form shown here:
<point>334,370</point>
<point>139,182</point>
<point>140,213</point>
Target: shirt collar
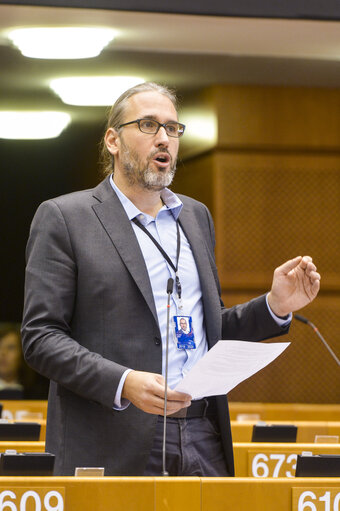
<point>171,202</point>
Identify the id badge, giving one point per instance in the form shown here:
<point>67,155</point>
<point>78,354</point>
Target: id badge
<point>184,333</point>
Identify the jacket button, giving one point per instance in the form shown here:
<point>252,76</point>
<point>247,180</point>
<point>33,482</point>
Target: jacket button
<point>157,341</point>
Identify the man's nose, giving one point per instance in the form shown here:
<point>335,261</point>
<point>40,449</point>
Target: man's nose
<point>162,137</point>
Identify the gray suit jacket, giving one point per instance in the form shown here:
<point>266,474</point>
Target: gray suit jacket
<point>89,314</point>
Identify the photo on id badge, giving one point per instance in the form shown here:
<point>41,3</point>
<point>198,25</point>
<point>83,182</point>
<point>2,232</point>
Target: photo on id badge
<point>184,332</point>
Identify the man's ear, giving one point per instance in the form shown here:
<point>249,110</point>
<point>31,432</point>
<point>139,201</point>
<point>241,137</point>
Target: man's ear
<point>112,141</point>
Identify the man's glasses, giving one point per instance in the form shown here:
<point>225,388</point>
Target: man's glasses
<point>173,129</point>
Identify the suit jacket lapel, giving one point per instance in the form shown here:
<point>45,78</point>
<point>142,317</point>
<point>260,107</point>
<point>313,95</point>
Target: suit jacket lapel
<point>211,301</point>
<point>114,220</point>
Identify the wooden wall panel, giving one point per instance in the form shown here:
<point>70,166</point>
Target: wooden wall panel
<point>280,117</point>
<point>196,178</point>
<point>272,184</point>
<point>270,208</point>
<point>305,372</point>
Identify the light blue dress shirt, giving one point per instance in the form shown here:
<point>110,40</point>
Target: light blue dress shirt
<point>163,229</point>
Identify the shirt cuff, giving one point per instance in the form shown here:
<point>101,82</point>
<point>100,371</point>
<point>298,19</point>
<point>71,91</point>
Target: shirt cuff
<point>283,322</point>
<point>119,403</point>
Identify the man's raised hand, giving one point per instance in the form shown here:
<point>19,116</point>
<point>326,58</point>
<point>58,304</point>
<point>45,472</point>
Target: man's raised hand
<point>295,284</point>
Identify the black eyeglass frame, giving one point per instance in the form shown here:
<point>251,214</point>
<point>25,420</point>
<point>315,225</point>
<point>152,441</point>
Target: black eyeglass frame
<point>160,125</point>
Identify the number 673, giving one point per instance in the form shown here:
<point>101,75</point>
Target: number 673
<point>270,466</point>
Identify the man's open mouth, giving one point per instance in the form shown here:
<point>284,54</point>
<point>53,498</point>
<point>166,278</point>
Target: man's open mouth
<point>162,159</point>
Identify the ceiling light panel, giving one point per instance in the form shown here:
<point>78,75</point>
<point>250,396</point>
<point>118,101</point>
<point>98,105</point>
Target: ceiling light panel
<point>26,125</point>
<point>92,90</point>
<point>61,42</point>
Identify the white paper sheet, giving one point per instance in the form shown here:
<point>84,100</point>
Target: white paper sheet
<point>226,365</point>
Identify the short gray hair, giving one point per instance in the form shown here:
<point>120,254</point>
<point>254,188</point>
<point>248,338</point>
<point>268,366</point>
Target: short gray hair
<point>116,116</point>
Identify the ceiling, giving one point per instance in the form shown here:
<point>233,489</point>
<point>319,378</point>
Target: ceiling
<point>188,52</point>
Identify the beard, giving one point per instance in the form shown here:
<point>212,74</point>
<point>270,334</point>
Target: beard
<point>143,174</point>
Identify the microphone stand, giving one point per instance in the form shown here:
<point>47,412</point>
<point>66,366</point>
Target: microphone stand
<point>307,322</point>
<point>169,290</point>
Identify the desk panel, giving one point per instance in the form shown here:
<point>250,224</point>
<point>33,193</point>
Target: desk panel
<point>115,493</point>
<point>23,446</point>
<point>266,411</point>
<point>169,494</point>
<point>242,431</point>
<point>240,494</point>
<point>20,409</point>
<point>264,460</point>
<point>287,411</point>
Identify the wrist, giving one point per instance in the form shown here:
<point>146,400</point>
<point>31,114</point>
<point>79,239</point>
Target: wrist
<point>276,308</point>
<point>127,384</point>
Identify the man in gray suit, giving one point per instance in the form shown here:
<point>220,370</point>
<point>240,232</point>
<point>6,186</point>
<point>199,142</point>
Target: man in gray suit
<point>98,262</point>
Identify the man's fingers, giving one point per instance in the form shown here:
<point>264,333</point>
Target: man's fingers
<point>316,287</point>
<point>305,263</point>
<point>314,275</point>
<point>310,268</point>
<point>175,400</point>
<point>173,395</point>
<point>289,265</point>
<point>147,392</point>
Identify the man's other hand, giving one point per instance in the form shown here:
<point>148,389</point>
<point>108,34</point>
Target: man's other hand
<point>295,284</point>
<point>146,391</point>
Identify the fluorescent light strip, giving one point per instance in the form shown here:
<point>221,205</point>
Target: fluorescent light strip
<point>25,125</point>
<point>92,90</point>
<point>61,42</point>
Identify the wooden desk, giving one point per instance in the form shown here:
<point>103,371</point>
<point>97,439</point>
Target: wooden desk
<point>287,411</point>
<point>240,494</point>
<point>251,459</point>
<point>242,431</point>
<point>164,494</point>
<point>266,411</point>
<point>262,460</point>
<point>110,493</point>
<point>17,410</point>
<point>22,446</point>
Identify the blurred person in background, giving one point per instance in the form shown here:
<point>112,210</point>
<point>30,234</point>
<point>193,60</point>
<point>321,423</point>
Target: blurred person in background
<point>17,380</point>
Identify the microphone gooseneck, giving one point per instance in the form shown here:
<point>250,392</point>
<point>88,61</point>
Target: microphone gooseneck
<point>169,289</point>
<point>316,330</point>
<point>301,318</point>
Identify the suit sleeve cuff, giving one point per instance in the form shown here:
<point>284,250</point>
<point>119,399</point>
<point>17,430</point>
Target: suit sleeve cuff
<point>119,403</point>
<point>283,322</point>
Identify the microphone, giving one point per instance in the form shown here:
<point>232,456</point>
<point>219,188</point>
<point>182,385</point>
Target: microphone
<point>305,320</point>
<point>170,286</point>
<point>169,289</point>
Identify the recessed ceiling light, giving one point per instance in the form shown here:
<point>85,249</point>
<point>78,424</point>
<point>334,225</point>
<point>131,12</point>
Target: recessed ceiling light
<point>61,42</point>
<point>92,90</point>
<point>28,125</point>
